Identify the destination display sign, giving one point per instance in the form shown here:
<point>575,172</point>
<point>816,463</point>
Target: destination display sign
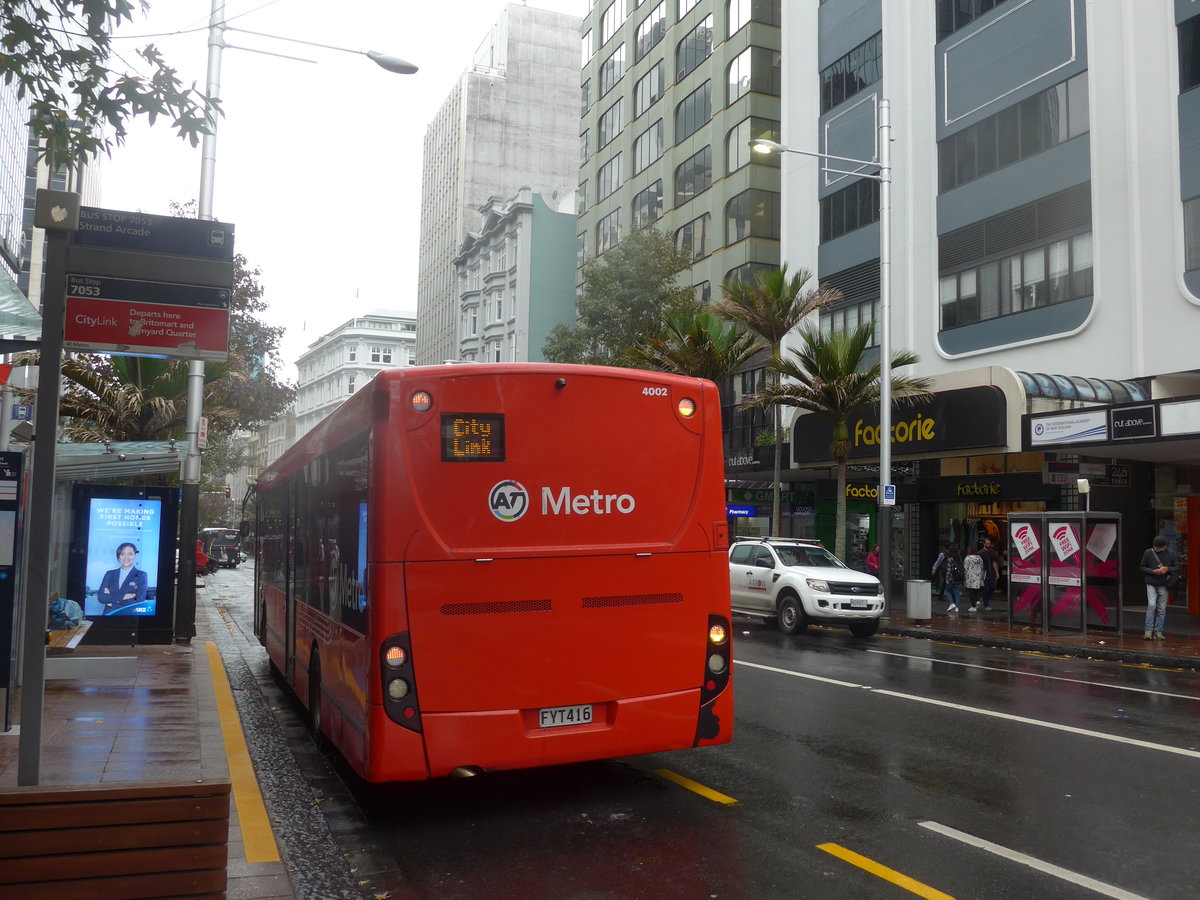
<point>154,234</point>
<point>127,316</point>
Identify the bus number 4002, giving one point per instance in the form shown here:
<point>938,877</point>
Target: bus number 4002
<point>654,391</point>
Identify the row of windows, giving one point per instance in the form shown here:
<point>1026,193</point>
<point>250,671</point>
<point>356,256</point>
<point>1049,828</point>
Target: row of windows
<point>847,318</point>
<point>846,76</point>
<point>1052,273</point>
<point>752,213</point>
<point>1037,123</point>
<point>855,206</point>
<point>955,14</point>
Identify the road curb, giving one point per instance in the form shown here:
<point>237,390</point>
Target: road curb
<point>1005,642</point>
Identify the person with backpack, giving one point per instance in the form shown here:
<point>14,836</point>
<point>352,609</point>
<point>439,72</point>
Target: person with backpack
<point>972,566</point>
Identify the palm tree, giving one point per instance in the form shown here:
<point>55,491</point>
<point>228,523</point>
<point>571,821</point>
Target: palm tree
<point>829,376</point>
<point>771,306</point>
<point>699,343</point>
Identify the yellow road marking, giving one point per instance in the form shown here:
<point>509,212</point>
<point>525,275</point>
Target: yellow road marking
<point>707,793</point>
<point>257,836</point>
<point>1146,667</point>
<point>881,871</point>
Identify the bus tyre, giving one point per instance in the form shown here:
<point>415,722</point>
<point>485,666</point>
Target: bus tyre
<point>865,628</point>
<point>791,617</point>
<point>314,700</point>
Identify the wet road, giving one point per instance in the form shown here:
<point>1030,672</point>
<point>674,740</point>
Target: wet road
<point>856,764</point>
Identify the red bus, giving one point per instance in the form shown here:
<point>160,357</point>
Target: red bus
<point>481,567</point>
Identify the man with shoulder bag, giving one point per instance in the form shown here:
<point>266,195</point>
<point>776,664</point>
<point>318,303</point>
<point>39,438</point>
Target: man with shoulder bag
<point>1161,572</point>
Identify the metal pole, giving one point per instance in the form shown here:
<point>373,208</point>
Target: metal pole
<point>41,488</point>
<point>885,344</point>
<point>189,506</point>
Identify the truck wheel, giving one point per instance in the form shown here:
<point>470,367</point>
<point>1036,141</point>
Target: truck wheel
<point>865,628</point>
<point>791,616</point>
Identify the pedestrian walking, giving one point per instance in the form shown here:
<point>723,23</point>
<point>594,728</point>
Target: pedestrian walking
<point>952,576</point>
<point>991,575</point>
<point>973,577</point>
<point>873,561</point>
<point>1161,572</point>
<point>938,576</point>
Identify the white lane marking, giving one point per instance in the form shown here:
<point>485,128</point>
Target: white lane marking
<point>1008,717</point>
<point>1115,687</point>
<point>1033,862</point>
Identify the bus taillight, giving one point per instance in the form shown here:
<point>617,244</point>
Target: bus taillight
<point>687,407</point>
<point>399,685</point>
<point>421,401</point>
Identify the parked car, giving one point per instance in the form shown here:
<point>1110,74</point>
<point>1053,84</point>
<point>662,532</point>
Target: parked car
<point>223,545</point>
<point>798,582</point>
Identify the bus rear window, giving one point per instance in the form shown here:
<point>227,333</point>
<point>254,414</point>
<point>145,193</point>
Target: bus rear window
<point>472,437</point>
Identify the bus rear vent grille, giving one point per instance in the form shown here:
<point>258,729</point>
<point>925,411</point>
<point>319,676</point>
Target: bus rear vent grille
<point>631,600</point>
<point>499,606</point>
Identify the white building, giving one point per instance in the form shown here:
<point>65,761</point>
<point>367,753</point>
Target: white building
<point>339,363</point>
<point>511,120</point>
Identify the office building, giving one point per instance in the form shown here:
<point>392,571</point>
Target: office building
<point>510,120</point>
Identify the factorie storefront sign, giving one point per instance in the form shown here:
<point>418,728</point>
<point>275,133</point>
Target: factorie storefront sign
<point>962,419</point>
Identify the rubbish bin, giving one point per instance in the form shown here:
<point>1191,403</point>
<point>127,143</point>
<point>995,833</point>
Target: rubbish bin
<point>920,598</point>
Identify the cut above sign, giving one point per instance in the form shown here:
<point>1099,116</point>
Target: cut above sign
<point>963,419</point>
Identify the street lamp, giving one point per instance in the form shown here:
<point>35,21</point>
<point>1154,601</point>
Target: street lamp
<point>887,491</point>
<point>189,507</point>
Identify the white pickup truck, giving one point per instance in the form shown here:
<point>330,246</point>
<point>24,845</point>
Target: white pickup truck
<point>797,582</point>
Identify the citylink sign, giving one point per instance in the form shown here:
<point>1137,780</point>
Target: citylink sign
<point>963,419</point>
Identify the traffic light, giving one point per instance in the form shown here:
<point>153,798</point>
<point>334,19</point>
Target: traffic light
<point>228,493</point>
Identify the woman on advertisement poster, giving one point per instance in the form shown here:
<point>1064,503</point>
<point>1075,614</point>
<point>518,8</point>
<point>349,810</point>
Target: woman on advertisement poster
<point>124,585</point>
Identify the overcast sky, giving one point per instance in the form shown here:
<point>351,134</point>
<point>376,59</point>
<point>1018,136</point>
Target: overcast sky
<point>317,166</point>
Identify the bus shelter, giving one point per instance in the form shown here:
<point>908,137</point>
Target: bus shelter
<point>1064,571</point>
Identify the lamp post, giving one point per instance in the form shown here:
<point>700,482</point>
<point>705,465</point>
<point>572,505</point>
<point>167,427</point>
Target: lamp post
<point>887,491</point>
<point>189,507</point>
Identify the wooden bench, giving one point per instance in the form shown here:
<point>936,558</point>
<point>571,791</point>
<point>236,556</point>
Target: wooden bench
<point>68,638</point>
<point>114,841</point>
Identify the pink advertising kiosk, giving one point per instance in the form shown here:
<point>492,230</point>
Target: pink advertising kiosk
<point>1064,571</point>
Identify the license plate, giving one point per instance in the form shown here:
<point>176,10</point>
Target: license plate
<point>860,604</point>
<point>558,716</point>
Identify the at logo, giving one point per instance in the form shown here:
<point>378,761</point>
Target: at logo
<point>508,501</point>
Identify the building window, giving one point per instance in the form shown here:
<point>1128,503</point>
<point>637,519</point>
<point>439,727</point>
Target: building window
<point>702,292</point>
<point>861,67</point>
<point>650,31</point>
<point>743,12</point>
<point>1037,123</point>
<point>581,198</point>
<point>350,385</point>
<point>955,14</point>
<point>648,89</point>
<point>745,273</point>
<point>352,353</point>
<point>648,146</point>
<point>609,178</point>
<point>581,251</point>
<point>693,176</point>
<point>754,69</point>
<point>737,144</point>
<point>381,355</point>
<point>611,122</point>
<point>752,213</point>
<point>1189,54</point>
<point>608,231</point>
<point>1041,276</point>
<point>849,317</point>
<point>694,49</point>
<point>648,205</point>
<point>1191,233</point>
<point>584,151</point>
<point>585,97</point>
<point>692,238</point>
<point>612,69</point>
<point>610,21</point>
<point>693,112</point>
<point>585,48</point>
<point>854,206</point>
<point>684,7</point>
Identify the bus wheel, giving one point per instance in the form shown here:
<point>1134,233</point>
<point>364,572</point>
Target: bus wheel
<point>791,617</point>
<point>314,700</point>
